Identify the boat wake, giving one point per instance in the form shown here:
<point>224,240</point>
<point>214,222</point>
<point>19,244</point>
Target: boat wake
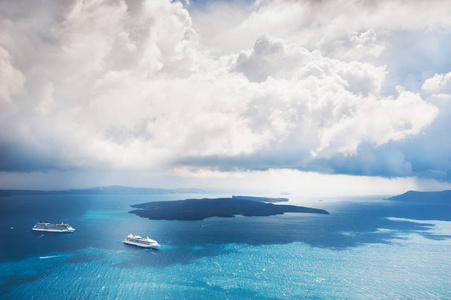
<point>52,256</point>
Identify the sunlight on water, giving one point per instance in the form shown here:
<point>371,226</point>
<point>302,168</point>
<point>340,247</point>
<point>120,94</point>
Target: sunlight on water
<point>273,271</point>
<point>357,252</point>
<point>95,214</point>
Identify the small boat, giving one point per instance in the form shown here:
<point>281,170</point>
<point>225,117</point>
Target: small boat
<point>136,240</point>
<point>43,226</point>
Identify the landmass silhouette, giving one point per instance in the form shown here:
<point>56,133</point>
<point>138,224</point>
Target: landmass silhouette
<point>200,209</point>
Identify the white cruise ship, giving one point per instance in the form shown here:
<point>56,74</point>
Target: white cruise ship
<point>136,240</point>
<point>42,226</point>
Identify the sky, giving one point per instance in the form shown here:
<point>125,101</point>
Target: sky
<point>328,97</point>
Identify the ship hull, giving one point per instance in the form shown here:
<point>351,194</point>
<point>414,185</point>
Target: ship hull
<point>54,230</point>
<point>141,245</point>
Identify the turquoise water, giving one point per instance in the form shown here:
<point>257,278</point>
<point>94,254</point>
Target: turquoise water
<point>375,250</point>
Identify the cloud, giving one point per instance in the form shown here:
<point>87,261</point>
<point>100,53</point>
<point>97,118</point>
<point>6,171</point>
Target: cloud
<point>86,79</point>
<point>325,105</point>
<point>429,152</point>
<point>439,84</point>
<point>133,85</point>
<point>380,33</point>
<point>356,46</point>
<point>335,22</point>
<point>12,79</point>
<point>271,57</point>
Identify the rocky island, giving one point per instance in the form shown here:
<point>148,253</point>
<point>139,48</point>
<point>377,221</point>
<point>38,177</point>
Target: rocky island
<point>199,209</point>
<point>436,197</point>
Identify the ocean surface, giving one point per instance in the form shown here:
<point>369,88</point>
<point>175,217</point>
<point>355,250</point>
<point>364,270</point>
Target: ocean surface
<point>365,249</point>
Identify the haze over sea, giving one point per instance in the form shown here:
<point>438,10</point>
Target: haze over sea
<point>365,249</point>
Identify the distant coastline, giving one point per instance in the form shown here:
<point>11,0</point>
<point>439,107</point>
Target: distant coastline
<point>106,190</point>
<point>261,199</point>
<point>200,209</point>
<point>440,197</point>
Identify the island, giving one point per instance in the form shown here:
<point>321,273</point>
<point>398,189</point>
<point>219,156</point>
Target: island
<point>200,209</point>
<point>436,197</point>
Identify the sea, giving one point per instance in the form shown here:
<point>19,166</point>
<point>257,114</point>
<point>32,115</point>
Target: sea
<point>366,248</point>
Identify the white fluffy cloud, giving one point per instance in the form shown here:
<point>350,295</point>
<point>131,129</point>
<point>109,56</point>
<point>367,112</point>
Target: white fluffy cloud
<point>356,46</point>
<point>11,78</point>
<point>439,84</point>
<point>131,85</point>
<point>325,105</point>
<point>334,23</point>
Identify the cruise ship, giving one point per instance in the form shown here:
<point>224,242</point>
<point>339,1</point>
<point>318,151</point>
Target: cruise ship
<point>42,226</point>
<point>136,240</point>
